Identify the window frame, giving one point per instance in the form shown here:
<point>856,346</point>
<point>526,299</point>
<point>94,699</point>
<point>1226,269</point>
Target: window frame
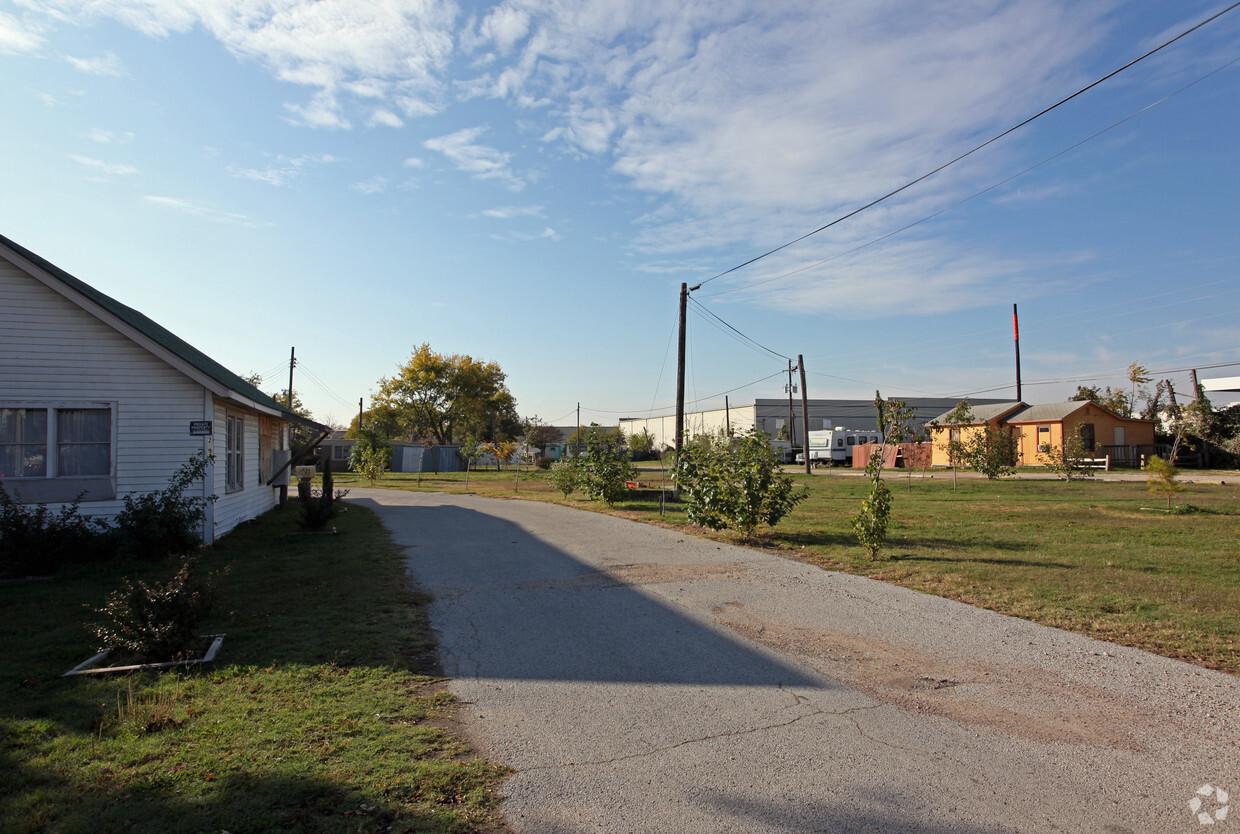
<point>234,452</point>
<point>51,486</point>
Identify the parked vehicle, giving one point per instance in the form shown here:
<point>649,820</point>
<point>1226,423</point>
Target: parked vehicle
<point>829,447</point>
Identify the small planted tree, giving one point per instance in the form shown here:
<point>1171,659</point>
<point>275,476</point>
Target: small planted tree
<point>1069,459</point>
<point>734,483</point>
<point>605,467</point>
<point>870,522</point>
<point>1163,478</point>
<point>991,451</point>
<point>565,474</point>
<point>371,455</point>
<point>954,422</point>
<point>470,449</point>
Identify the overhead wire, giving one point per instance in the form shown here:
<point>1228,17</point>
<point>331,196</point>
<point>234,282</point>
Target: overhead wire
<point>953,206</point>
<point>975,149</point>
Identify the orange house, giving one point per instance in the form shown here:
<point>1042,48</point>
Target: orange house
<point>1039,429</point>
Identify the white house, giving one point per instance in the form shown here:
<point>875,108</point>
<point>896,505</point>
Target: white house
<point>96,398</point>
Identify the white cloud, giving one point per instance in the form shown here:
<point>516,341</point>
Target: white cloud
<point>546,234</point>
<point>109,168</point>
<point>107,64</point>
<point>16,37</point>
<point>285,171</point>
<point>756,123</point>
<point>414,162</point>
<point>107,137</point>
<point>506,212</point>
<point>201,210</point>
<point>481,161</point>
<point>343,50</point>
<point>386,118</point>
<point>375,185</point>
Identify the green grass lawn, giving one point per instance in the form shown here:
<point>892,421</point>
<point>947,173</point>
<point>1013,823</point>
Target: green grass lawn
<point>318,715</point>
<point>1097,557</point>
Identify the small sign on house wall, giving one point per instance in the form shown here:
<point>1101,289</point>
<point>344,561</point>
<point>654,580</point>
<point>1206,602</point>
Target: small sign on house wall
<point>200,428</point>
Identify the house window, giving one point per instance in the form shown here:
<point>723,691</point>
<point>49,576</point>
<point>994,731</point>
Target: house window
<point>55,442</point>
<point>340,452</point>
<point>234,455</point>
<point>1087,436</point>
<point>1044,438</point>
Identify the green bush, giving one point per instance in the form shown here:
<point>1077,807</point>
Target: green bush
<point>734,482</point>
<point>158,621</point>
<point>34,541</point>
<point>318,506</point>
<point>604,468</point>
<point>566,475</point>
<point>156,525</point>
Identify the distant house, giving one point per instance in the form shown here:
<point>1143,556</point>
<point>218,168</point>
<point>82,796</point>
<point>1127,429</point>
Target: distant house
<point>1038,429</point>
<point>406,456</point>
<point>98,400</point>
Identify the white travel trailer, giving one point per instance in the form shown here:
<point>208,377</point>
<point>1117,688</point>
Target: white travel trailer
<point>835,446</point>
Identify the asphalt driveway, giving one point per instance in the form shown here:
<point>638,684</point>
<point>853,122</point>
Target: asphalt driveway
<point>641,680</point>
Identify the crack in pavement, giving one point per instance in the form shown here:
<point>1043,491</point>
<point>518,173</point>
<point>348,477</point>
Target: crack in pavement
<point>703,739</point>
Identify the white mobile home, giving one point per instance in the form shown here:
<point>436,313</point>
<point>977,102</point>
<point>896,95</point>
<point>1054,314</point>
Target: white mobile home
<point>97,399</point>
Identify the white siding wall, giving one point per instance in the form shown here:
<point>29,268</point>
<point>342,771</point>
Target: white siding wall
<point>52,350</point>
<point>740,417</point>
<point>253,499</point>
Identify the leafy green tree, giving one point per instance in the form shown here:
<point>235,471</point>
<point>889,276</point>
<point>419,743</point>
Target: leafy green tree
<point>991,450</point>
<point>1068,460</point>
<point>734,482</point>
<point>605,467</point>
<point>642,444</point>
<point>538,435</point>
<point>1109,398</point>
<point>470,449</point>
<point>1163,478</point>
<point>954,422</point>
<point>371,455</point>
<point>442,396</point>
<point>565,474</point>
<point>870,522</point>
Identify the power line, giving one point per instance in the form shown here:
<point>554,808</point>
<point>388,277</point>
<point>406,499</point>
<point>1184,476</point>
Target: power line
<point>974,150</point>
<point>732,330</point>
<point>974,196</point>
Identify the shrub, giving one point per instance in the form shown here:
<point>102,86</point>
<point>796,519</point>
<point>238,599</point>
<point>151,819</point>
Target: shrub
<point>734,482</point>
<point>156,525</point>
<point>1162,478</point>
<point>318,506</point>
<point>566,475</point>
<point>370,457</point>
<point>158,621</point>
<point>36,541</point>
<point>604,468</point>
<point>870,522</point>
<point>543,462</point>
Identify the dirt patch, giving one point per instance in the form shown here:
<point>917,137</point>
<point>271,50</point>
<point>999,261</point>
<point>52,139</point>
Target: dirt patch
<point>1029,703</point>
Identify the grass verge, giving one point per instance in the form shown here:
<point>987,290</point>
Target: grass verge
<point>319,714</point>
<point>1097,557</point>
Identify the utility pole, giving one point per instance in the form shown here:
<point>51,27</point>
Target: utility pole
<point>360,412</point>
<point>292,361</point>
<point>1016,339</point>
<point>804,414</point>
<point>792,427</point>
<point>727,416</point>
<point>680,381</point>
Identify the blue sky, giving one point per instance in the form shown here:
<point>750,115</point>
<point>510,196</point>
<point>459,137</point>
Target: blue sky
<point>530,182</point>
